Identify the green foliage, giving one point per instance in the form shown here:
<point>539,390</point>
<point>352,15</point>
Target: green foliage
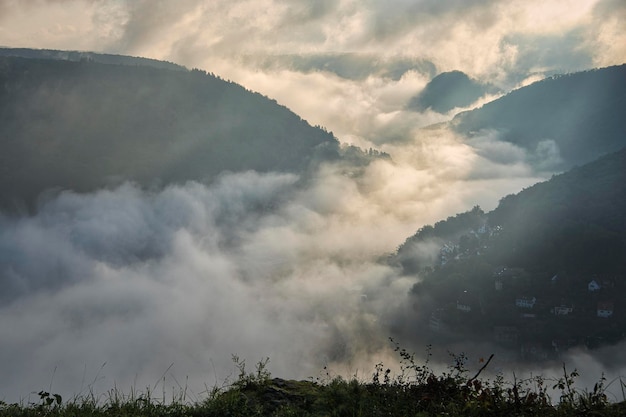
<point>454,227</point>
<point>415,391</point>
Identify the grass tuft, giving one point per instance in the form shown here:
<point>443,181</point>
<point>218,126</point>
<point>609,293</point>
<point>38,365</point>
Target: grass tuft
<point>415,391</point>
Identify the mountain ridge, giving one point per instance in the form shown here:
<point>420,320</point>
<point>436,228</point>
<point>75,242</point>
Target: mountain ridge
<point>78,56</point>
<point>82,125</point>
<point>577,117</point>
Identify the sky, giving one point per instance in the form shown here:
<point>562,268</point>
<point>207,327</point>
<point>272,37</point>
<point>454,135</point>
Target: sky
<point>133,288</point>
<point>362,59</point>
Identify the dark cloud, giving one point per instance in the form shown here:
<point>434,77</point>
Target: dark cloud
<point>304,11</point>
<point>548,54</point>
<point>352,66</point>
<point>390,21</point>
<point>146,20</point>
<point>609,9</point>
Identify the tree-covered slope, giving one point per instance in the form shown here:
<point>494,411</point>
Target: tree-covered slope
<point>527,266</point>
<point>78,56</point>
<point>83,125</point>
<point>581,113</point>
<point>575,221</point>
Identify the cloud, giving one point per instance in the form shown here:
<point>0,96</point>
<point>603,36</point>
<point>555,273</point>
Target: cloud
<point>352,66</point>
<point>254,264</point>
<point>285,49</point>
<point>476,37</point>
<point>606,37</point>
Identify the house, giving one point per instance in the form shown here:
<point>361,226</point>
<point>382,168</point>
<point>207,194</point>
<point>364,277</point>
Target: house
<point>562,310</point>
<point>464,303</point>
<point>593,286</point>
<point>446,253</point>
<point>525,302</point>
<point>504,276</point>
<point>605,309</point>
<point>436,323</point>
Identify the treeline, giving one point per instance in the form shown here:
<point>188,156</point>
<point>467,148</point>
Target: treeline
<point>83,125</point>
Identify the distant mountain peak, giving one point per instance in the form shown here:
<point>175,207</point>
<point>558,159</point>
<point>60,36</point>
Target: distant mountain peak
<point>449,90</point>
<point>78,124</point>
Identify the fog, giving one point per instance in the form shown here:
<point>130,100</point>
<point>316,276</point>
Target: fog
<point>257,265</point>
<point>156,290</point>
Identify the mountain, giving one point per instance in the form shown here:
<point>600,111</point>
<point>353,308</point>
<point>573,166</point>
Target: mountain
<point>83,124</point>
<point>78,56</point>
<point>449,90</point>
<point>571,119</point>
<point>544,246</point>
<point>576,221</point>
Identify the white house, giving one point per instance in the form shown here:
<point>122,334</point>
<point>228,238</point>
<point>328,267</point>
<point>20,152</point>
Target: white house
<point>525,302</point>
<point>562,310</point>
<point>593,286</point>
<point>436,323</point>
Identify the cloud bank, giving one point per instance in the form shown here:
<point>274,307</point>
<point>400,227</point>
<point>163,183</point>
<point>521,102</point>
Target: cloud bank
<point>335,48</point>
<point>257,265</point>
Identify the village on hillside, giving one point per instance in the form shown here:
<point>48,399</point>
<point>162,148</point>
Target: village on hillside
<point>537,315</point>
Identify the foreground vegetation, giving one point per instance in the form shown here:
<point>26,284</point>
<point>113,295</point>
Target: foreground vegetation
<point>416,391</point>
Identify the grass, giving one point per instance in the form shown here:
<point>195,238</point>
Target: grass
<point>415,391</point>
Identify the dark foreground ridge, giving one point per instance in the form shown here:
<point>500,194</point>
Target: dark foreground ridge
<point>416,391</point>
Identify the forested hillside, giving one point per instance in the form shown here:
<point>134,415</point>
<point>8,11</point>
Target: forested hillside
<point>546,268</point>
<point>570,119</point>
<point>83,125</point>
<point>86,56</point>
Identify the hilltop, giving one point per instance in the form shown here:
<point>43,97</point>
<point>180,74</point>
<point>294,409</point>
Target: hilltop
<point>83,124</point>
<point>561,121</point>
<point>87,56</point>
